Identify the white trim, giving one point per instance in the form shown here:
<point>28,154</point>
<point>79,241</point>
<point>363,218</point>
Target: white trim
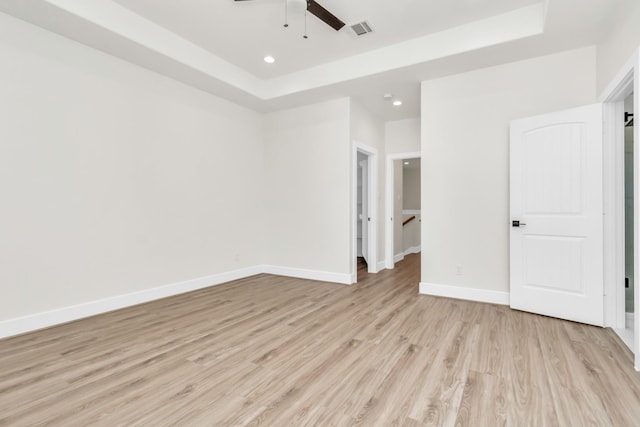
<point>469,294</point>
<point>614,218</point>
<point>33,322</point>
<point>389,257</point>
<point>626,333</point>
<point>372,238</point>
<point>412,212</point>
<point>381,266</point>
<point>412,250</point>
<point>627,80</point>
<point>300,273</point>
<point>616,87</point>
<point>58,316</point>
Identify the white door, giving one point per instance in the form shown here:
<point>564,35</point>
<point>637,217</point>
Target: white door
<point>365,209</point>
<point>556,195</point>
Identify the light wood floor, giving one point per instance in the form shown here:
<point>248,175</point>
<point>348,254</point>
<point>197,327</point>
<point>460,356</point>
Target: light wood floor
<point>275,351</point>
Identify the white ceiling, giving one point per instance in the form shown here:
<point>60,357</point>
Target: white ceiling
<point>218,45</point>
<point>246,31</point>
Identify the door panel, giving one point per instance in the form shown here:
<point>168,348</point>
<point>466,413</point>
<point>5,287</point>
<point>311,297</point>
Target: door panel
<point>556,194</point>
<point>552,163</point>
<point>552,262</point>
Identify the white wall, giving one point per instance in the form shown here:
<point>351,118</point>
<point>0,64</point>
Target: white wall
<point>115,179</point>
<point>307,160</point>
<point>620,43</point>
<point>465,166</point>
<point>402,136</point>
<point>366,128</point>
<point>411,186</point>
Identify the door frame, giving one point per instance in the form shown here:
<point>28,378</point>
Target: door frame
<point>626,81</point>
<point>389,198</point>
<point>372,235</point>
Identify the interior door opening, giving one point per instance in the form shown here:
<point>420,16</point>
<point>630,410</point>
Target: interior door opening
<point>362,229</point>
<point>404,211</point>
<point>629,222</point>
<point>407,216</point>
<point>365,206</point>
<point>622,231</point>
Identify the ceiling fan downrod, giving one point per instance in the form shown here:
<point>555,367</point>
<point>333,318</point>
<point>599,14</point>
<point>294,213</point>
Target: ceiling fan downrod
<point>305,25</point>
<point>286,13</point>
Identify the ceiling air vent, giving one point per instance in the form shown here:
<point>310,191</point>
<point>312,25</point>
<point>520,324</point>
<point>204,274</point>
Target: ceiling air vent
<point>361,28</point>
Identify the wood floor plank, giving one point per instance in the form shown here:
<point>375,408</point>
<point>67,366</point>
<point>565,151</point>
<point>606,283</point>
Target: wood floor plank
<point>270,350</point>
<point>438,400</point>
<point>524,371</point>
<point>484,401</point>
<point>575,401</point>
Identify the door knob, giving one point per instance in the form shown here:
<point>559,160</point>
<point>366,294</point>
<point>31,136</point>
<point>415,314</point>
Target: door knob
<point>517,223</point>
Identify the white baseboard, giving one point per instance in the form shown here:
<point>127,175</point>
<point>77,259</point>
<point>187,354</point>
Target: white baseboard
<point>45,319</point>
<point>323,276</point>
<point>381,266</point>
<point>33,322</point>
<point>412,250</point>
<point>470,294</point>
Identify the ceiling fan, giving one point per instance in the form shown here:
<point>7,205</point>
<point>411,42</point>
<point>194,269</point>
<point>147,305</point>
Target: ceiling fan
<point>319,12</point>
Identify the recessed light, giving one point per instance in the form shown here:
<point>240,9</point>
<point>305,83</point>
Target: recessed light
<point>387,96</point>
<point>269,59</point>
<point>406,163</point>
<point>397,103</point>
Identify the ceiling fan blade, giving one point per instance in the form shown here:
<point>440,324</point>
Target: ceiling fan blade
<point>324,15</point>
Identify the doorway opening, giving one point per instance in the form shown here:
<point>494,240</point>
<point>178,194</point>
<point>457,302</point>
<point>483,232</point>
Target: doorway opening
<point>622,233</point>
<point>626,333</point>
<point>404,211</point>
<point>365,206</point>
